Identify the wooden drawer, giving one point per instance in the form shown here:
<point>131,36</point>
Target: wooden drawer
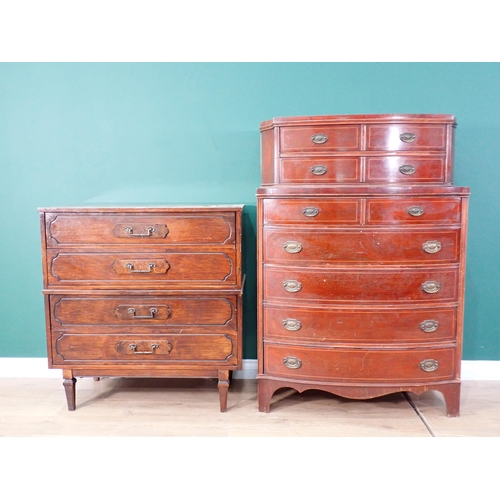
<point>312,211</point>
<point>359,365</point>
<point>395,285</point>
<point>320,170</point>
<point>99,348</point>
<point>112,268</point>
<point>373,326</point>
<point>406,137</point>
<point>132,229</point>
<point>405,169</point>
<point>333,246</point>
<point>319,138</point>
<point>444,210</point>
<point>136,312</point>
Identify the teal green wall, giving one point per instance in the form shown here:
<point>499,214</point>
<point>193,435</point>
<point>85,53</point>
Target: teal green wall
<point>74,134</point>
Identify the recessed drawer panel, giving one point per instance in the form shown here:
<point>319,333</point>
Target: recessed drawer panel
<point>405,169</point>
<point>142,311</point>
<point>359,365</point>
<point>133,229</point>
<point>320,170</point>
<point>395,285</point>
<point>309,246</point>
<point>99,348</point>
<point>413,210</point>
<point>326,325</point>
<point>311,211</point>
<point>319,138</point>
<point>70,268</point>
<point>406,137</point>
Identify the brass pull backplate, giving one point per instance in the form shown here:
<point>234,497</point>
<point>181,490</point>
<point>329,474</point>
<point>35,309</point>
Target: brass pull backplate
<point>292,324</point>
<point>292,286</point>
<point>407,169</point>
<point>429,325</point>
<point>415,211</point>
<point>310,211</point>
<point>429,365</point>
<point>319,138</point>
<point>431,286</point>
<point>319,170</point>
<point>431,246</point>
<point>292,362</point>
<point>292,246</point>
<point>408,137</point>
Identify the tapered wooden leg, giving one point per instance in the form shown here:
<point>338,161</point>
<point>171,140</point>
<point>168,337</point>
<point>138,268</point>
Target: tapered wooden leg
<point>69,383</point>
<point>266,390</point>
<point>451,393</point>
<point>223,389</point>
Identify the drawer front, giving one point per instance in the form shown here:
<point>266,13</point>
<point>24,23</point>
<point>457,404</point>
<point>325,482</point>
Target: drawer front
<point>326,325</point>
<point>320,170</point>
<point>395,285</point>
<point>405,169</point>
<point>319,138</point>
<point>413,210</point>
<point>70,268</point>
<point>311,211</point>
<point>165,348</point>
<point>143,312</point>
<point>132,229</point>
<point>363,365</point>
<point>406,137</point>
<point>308,246</point>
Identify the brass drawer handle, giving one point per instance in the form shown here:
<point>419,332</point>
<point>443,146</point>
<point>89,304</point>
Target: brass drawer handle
<point>415,211</point>
<point>292,362</point>
<point>407,169</point>
<point>431,246</point>
<point>319,170</point>
<point>408,137</point>
<point>133,348</point>
<point>292,246</point>
<point>429,325</point>
<point>431,286</point>
<point>319,138</point>
<point>429,365</point>
<point>310,211</point>
<point>130,231</point>
<point>130,267</point>
<point>152,310</point>
<point>292,286</point>
<point>292,324</point>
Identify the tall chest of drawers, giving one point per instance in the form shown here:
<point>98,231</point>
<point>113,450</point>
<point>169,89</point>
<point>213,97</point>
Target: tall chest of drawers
<point>361,257</point>
<point>143,292</point>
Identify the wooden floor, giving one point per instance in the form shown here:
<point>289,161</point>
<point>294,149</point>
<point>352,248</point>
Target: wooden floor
<point>119,407</point>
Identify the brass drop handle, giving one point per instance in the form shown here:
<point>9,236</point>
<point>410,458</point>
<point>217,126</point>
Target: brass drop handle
<point>415,211</point>
<point>429,365</point>
<point>431,286</point>
<point>292,324</point>
<point>429,325</point>
<point>319,170</point>
<point>408,137</point>
<point>130,267</point>
<point>310,211</point>
<point>431,246</point>
<point>130,231</point>
<point>292,246</point>
<point>152,310</point>
<point>292,362</point>
<point>133,348</point>
<point>407,169</point>
<point>319,138</point>
<point>292,286</point>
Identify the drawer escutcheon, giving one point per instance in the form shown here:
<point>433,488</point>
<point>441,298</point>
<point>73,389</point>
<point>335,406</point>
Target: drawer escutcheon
<point>429,365</point>
<point>408,137</point>
<point>292,324</point>
<point>292,286</point>
<point>429,325</point>
<point>292,246</point>
<point>431,286</point>
<point>319,170</point>
<point>319,138</point>
<point>415,211</point>
<point>431,246</point>
<point>292,362</point>
<point>310,211</point>
<point>407,169</point>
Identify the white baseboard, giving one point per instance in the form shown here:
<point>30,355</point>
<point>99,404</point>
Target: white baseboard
<point>38,368</point>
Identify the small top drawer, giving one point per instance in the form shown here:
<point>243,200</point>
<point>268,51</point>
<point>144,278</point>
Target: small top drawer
<point>319,138</point>
<point>133,229</point>
<point>406,137</point>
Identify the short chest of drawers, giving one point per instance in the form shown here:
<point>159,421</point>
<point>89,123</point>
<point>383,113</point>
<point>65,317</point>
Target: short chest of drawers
<point>361,257</point>
<point>143,292</point>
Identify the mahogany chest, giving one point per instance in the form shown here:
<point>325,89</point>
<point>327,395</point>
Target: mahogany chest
<point>143,292</point>
<point>361,257</point>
